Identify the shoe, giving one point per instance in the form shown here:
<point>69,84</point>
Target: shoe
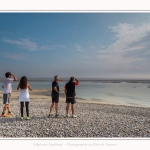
<point>67,115</point>
<point>74,116</point>
<point>28,118</point>
<point>50,115</point>
<point>10,113</point>
<point>56,115</point>
<point>21,118</point>
<point>4,115</point>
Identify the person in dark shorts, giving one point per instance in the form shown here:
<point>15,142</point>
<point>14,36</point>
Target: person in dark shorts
<point>70,95</point>
<point>6,85</point>
<point>55,95</point>
<point>24,96</point>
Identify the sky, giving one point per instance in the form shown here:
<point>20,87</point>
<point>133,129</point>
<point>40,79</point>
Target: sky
<point>80,44</point>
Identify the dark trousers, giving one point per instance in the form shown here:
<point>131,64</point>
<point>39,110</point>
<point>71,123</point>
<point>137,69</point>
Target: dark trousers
<point>27,108</point>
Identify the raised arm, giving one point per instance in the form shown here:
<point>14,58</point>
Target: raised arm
<point>60,80</point>
<point>77,80</point>
<point>15,78</point>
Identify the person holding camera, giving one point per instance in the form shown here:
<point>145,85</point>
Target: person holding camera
<point>70,95</point>
<point>6,85</point>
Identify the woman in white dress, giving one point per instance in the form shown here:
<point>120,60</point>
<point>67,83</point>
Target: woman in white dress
<point>24,95</point>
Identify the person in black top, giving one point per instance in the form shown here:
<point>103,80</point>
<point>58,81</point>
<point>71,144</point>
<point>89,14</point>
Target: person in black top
<point>55,95</point>
<point>70,95</point>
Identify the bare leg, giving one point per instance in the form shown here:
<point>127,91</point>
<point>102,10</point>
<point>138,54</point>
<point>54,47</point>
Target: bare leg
<point>67,108</point>
<point>51,107</point>
<point>72,108</point>
<point>8,107</point>
<point>4,108</point>
<point>56,108</point>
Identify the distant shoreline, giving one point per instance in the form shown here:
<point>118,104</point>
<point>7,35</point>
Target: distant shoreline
<point>91,80</point>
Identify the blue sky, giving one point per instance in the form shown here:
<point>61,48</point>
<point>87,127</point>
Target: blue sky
<point>84,45</point>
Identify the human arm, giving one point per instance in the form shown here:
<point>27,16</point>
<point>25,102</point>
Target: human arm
<point>15,78</point>
<point>18,87</point>
<point>60,80</point>
<point>29,87</point>
<point>77,80</point>
<point>55,89</point>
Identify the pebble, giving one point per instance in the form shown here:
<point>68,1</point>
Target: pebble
<point>93,120</point>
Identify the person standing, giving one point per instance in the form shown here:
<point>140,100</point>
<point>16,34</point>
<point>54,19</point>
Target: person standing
<point>6,85</point>
<point>24,96</point>
<point>70,95</point>
<point>55,95</point>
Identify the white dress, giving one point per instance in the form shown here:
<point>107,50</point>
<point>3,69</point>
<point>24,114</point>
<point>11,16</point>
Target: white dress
<point>24,95</point>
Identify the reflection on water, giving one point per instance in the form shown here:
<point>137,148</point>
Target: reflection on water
<point>133,94</point>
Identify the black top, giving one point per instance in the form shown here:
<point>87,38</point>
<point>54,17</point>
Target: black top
<point>54,93</point>
<point>70,87</point>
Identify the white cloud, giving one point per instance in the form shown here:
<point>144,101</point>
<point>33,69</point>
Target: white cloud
<point>15,56</point>
<point>92,48</point>
<point>47,47</point>
<point>23,43</point>
<point>79,48</point>
<point>51,47</point>
<point>31,46</point>
<point>131,44</point>
<point>61,46</point>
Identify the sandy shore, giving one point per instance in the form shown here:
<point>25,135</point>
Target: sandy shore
<point>93,119</point>
<point>44,94</point>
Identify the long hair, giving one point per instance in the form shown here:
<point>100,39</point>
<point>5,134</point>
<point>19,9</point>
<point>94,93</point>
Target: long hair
<point>23,82</point>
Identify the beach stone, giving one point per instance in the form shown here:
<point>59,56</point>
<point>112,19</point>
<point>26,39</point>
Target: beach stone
<point>93,120</point>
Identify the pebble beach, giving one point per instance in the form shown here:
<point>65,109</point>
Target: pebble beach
<point>94,120</point>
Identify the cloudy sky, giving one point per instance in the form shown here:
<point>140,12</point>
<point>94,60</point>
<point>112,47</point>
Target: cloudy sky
<point>85,45</point>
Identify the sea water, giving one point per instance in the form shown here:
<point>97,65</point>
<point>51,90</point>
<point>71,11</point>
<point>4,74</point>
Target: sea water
<point>122,93</point>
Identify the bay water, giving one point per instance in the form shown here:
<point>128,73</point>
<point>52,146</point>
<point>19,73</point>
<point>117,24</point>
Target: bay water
<point>122,93</point>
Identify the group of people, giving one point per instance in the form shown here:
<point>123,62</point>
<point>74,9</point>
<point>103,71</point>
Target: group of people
<point>24,97</point>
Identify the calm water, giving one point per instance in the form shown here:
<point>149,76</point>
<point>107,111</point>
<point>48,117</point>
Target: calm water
<point>132,94</point>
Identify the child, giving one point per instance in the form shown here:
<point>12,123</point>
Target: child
<point>7,92</point>
<point>24,95</point>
